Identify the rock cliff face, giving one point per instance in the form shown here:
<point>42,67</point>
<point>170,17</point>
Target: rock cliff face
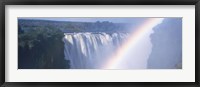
<point>167,45</point>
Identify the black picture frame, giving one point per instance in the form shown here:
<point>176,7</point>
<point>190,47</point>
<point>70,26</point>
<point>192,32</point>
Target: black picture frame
<point>98,2</point>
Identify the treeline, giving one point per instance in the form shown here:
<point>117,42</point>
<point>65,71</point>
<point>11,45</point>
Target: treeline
<point>65,26</point>
<point>40,44</point>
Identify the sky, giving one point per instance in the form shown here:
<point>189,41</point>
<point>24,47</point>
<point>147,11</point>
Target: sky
<point>91,19</point>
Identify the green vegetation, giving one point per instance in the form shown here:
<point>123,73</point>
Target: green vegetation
<point>41,48</point>
<point>40,44</point>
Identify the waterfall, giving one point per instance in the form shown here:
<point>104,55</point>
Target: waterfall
<point>90,50</point>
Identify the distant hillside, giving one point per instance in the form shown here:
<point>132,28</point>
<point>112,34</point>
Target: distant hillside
<point>67,26</point>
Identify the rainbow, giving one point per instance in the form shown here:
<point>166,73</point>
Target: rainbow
<point>121,52</point>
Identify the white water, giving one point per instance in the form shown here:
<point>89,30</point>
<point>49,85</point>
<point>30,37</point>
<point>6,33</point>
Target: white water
<point>89,50</point>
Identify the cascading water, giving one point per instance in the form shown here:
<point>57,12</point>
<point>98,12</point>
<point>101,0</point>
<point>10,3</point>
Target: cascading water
<point>90,50</point>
